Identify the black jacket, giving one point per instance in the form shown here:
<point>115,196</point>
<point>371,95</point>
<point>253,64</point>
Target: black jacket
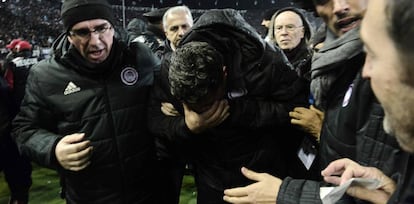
<point>20,66</point>
<point>167,143</point>
<point>5,109</point>
<point>65,95</point>
<point>153,37</point>
<point>261,90</point>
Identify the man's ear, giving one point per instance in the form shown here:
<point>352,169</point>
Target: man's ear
<point>70,39</point>
<point>303,32</point>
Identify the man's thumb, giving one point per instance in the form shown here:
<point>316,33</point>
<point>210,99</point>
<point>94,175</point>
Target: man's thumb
<point>252,175</point>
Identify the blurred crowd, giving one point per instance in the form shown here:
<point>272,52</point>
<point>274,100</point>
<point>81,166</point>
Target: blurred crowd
<point>38,21</point>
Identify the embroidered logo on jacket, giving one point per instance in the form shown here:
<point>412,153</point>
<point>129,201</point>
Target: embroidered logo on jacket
<point>129,76</point>
<point>71,88</point>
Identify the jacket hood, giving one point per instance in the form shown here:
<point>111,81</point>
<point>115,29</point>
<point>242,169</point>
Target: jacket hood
<point>60,46</point>
<point>228,32</point>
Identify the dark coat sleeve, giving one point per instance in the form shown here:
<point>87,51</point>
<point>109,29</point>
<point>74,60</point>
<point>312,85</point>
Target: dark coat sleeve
<point>4,109</point>
<point>31,126</point>
<point>294,191</point>
<point>274,89</point>
<point>171,133</point>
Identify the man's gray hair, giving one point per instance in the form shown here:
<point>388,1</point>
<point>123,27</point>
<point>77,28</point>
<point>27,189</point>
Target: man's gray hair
<point>174,10</point>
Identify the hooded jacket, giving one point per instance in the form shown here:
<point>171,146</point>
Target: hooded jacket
<point>254,69</point>
<point>261,89</point>
<point>65,94</point>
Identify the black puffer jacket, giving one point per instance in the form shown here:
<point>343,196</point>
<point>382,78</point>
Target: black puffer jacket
<point>108,103</point>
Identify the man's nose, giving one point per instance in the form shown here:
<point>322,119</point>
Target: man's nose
<point>340,6</point>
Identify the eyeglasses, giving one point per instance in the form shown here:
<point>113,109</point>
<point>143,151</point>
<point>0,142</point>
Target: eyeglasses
<point>85,33</point>
<point>289,28</point>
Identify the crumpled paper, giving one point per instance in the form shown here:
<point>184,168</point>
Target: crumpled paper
<point>329,195</point>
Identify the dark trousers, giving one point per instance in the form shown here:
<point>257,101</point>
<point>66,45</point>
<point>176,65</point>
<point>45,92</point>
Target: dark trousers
<point>172,173</point>
<point>17,169</point>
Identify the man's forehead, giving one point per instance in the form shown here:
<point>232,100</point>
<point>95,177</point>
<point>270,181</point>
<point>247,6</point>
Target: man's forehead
<point>90,23</point>
<point>288,15</point>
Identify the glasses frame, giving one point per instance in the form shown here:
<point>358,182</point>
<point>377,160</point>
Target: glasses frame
<point>85,33</point>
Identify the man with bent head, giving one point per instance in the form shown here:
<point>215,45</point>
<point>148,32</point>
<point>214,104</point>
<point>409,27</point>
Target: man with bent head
<point>389,67</point>
<point>236,92</point>
<point>84,111</point>
<point>352,126</point>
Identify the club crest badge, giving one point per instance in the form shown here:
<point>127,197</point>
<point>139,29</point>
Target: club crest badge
<point>129,76</point>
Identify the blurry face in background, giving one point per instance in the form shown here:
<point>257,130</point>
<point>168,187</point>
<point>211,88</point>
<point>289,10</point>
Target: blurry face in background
<point>288,30</point>
<point>93,39</point>
<point>265,23</point>
<point>341,16</point>
<point>391,83</point>
<point>177,24</point>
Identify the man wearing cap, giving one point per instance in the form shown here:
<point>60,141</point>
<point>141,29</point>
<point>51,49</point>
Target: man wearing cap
<point>20,67</point>
<point>154,36</point>
<point>17,168</point>
<point>84,110</point>
<point>12,45</point>
<point>10,56</point>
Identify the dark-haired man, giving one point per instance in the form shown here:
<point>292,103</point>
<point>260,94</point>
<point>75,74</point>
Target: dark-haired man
<point>236,92</point>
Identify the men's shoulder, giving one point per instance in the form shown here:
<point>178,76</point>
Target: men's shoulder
<point>47,68</point>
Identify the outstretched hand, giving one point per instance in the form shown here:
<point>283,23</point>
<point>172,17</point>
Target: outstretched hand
<point>264,191</point>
